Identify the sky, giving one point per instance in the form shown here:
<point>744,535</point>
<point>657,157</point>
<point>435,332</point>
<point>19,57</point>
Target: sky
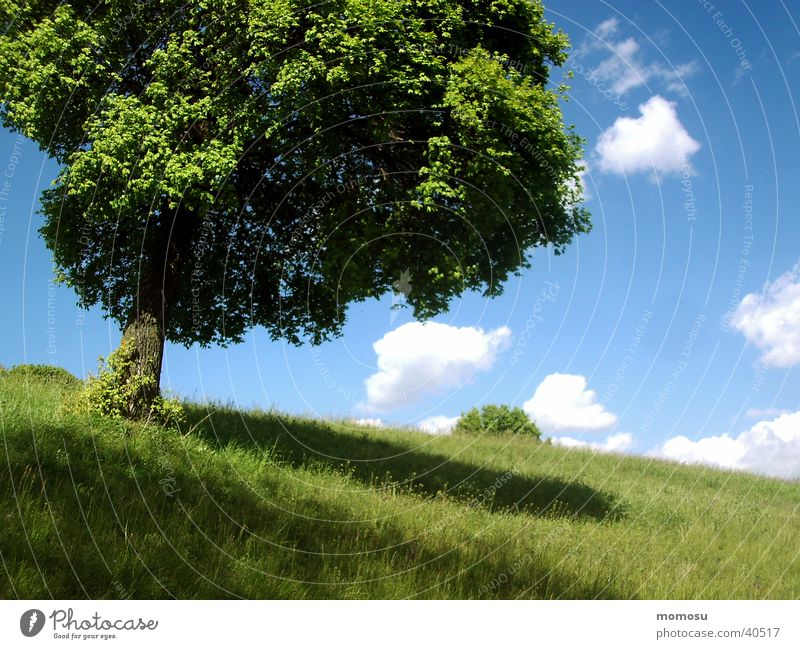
<point>671,330</point>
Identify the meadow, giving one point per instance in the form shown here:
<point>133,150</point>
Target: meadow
<point>266,505</point>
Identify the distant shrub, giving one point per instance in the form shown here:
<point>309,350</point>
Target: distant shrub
<point>44,373</point>
<point>115,392</point>
<point>497,420</point>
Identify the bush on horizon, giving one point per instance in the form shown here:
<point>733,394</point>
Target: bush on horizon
<point>46,372</point>
<point>497,420</point>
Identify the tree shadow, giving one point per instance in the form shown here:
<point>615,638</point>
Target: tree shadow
<point>381,464</point>
<point>127,532</point>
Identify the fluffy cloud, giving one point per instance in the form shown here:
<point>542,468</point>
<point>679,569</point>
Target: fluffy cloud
<point>656,141</point>
<point>618,443</point>
<point>438,425</point>
<point>418,359</point>
<point>771,320</point>
<point>770,447</point>
<point>625,67</point>
<point>562,403</point>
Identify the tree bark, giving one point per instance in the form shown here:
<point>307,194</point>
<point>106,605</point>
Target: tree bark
<point>146,336</point>
<point>158,288</point>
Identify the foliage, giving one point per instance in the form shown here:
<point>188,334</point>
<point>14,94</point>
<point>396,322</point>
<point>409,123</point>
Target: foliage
<point>261,505</point>
<point>45,372</point>
<point>228,164</point>
<point>497,420</point>
<point>115,391</point>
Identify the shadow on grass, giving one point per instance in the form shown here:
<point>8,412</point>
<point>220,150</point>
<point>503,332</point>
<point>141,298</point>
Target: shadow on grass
<point>95,521</point>
<point>391,465</point>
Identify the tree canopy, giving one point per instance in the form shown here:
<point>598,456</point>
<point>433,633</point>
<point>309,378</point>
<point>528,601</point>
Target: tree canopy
<point>225,165</point>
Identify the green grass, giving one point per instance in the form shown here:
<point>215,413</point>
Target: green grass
<point>261,505</point>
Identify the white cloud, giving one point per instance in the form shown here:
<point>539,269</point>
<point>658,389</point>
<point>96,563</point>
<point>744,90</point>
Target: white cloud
<point>619,70</point>
<point>764,413</point>
<point>625,67</point>
<point>623,70</point>
<point>656,141</point>
<point>770,447</point>
<point>370,421</point>
<point>562,403</point>
<point>418,359</point>
<point>674,79</point>
<point>581,187</point>
<point>618,443</point>
<point>607,28</point>
<point>771,320</point>
<point>438,424</point>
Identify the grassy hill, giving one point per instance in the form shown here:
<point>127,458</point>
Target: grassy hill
<point>261,505</point>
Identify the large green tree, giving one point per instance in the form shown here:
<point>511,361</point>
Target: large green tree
<point>230,164</point>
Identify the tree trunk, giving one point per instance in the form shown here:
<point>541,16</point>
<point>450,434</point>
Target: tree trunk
<point>146,327</point>
<point>146,337</point>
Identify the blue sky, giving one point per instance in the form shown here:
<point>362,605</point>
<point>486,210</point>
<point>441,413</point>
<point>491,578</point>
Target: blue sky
<point>673,328</point>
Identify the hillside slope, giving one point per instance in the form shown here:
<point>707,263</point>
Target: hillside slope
<point>259,505</point>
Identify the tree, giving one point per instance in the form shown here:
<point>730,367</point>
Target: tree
<point>496,420</point>
<point>226,165</point>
